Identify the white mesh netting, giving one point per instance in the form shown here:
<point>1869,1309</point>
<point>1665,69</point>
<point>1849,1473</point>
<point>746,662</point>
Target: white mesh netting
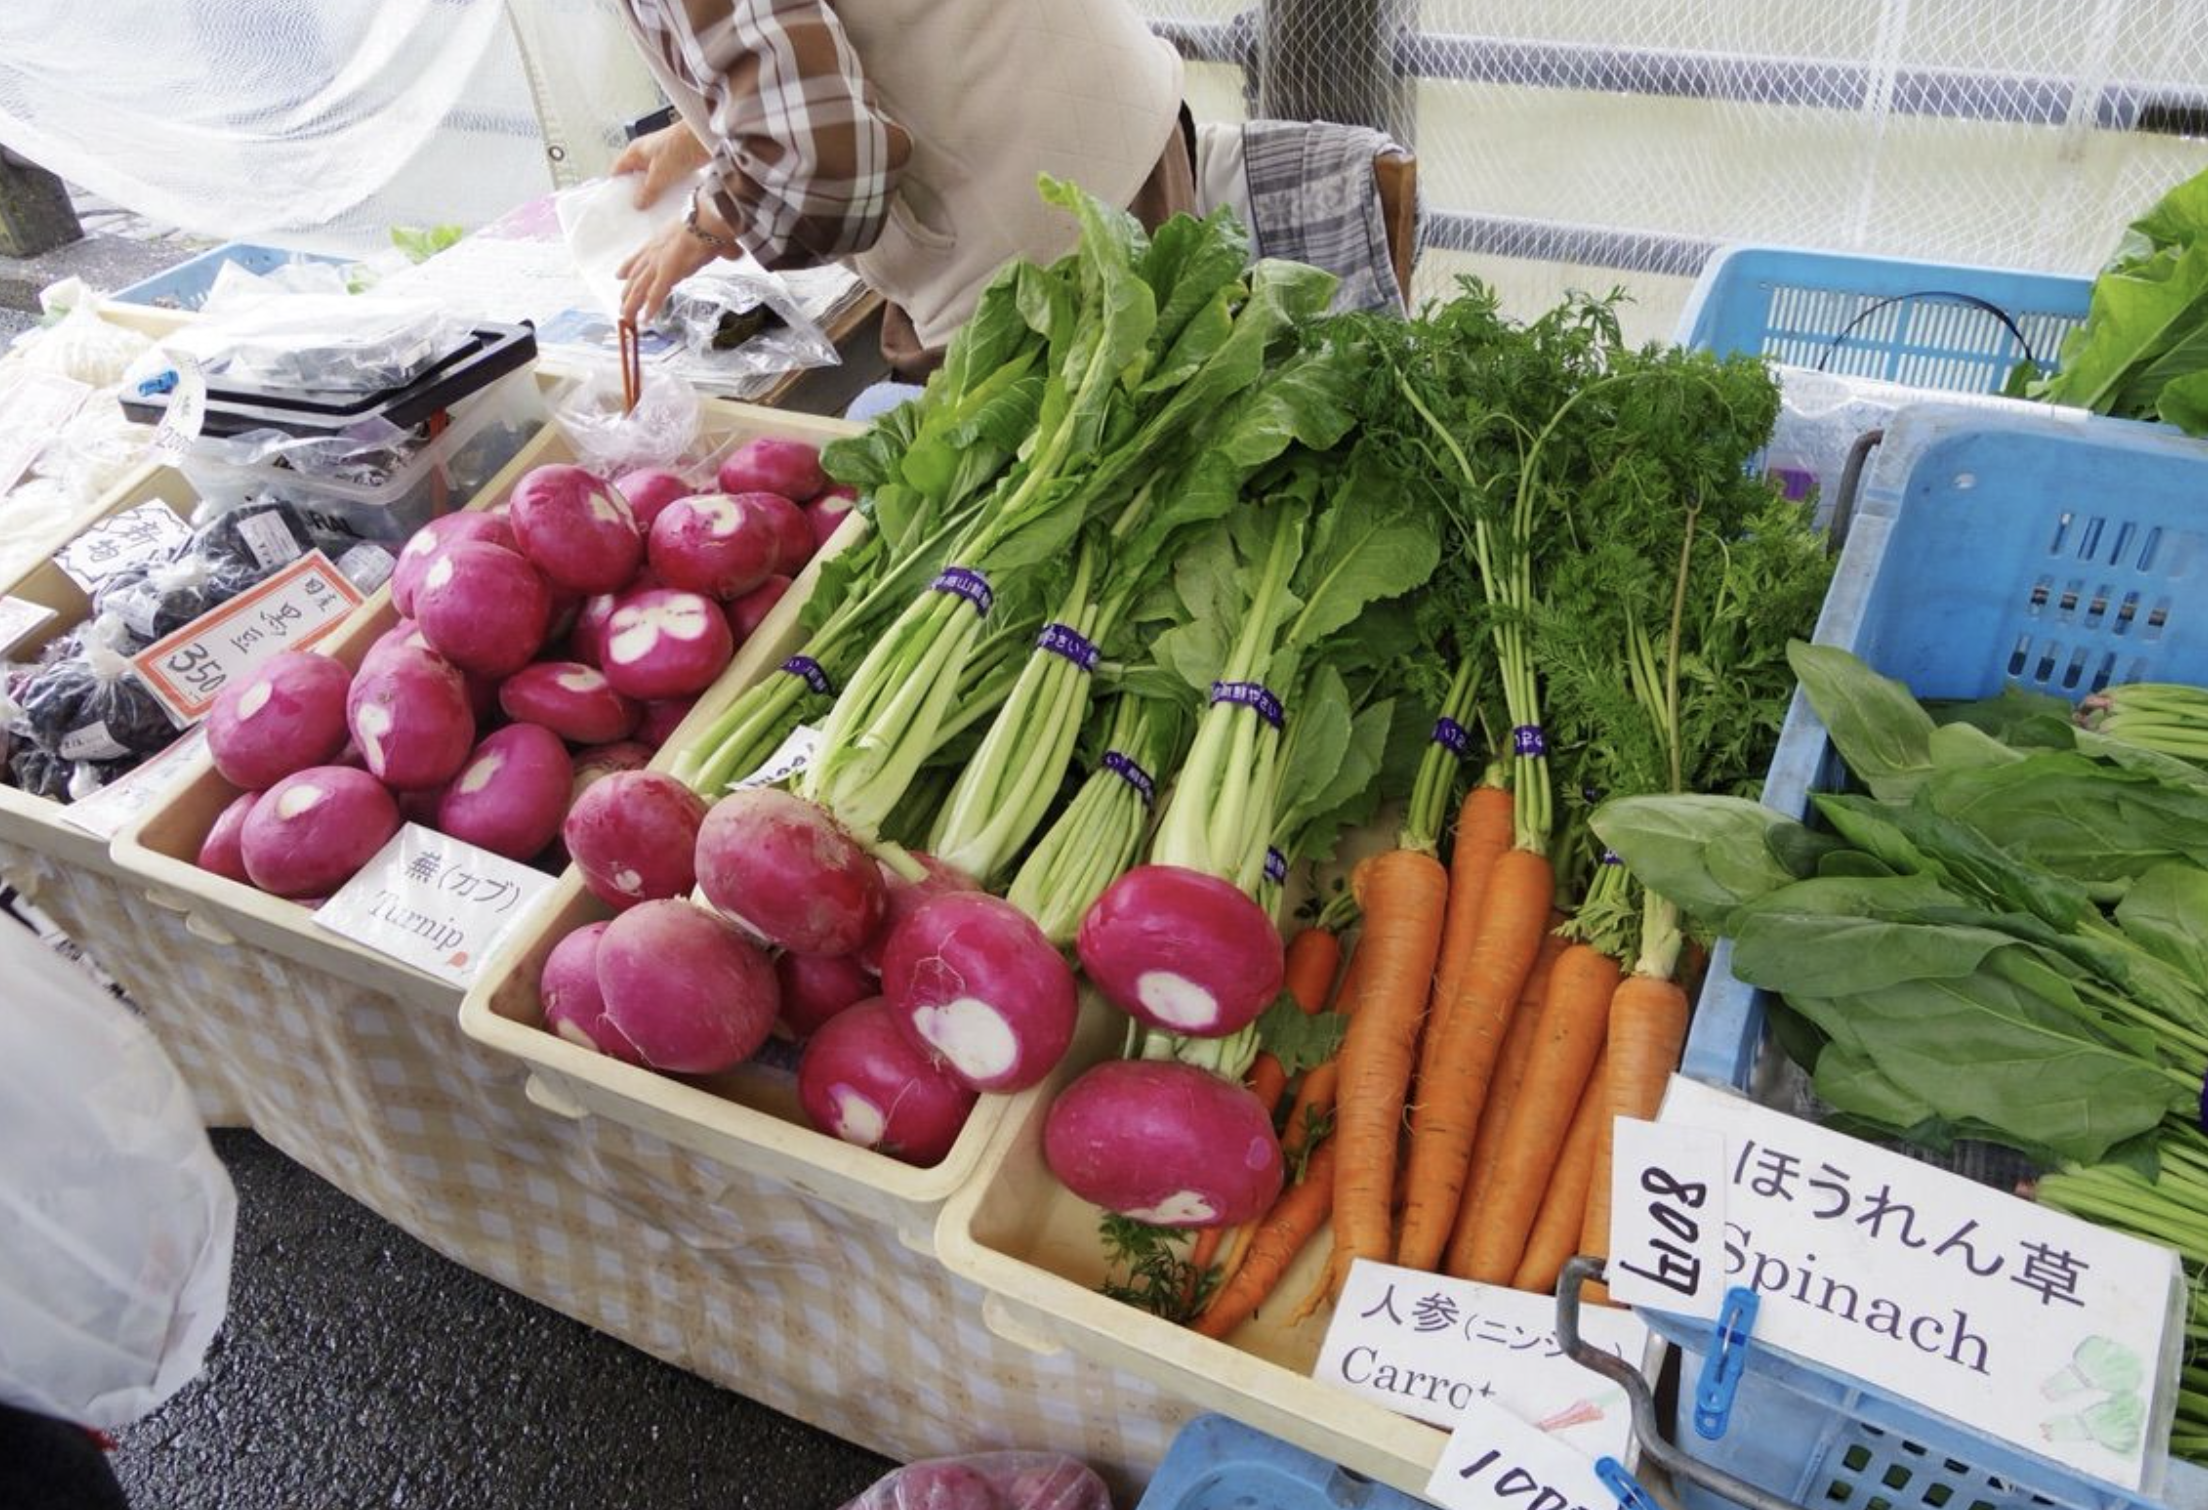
<point>1586,142</point>
<point>316,123</point>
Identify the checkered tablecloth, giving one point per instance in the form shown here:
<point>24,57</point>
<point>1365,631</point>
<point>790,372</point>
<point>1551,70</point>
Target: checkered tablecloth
<point>815,1311</point>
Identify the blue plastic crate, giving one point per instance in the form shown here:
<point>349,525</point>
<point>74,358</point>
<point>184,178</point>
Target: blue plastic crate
<point>1948,328</point>
<point>1218,1464</point>
<point>2054,551</point>
<point>186,285</point>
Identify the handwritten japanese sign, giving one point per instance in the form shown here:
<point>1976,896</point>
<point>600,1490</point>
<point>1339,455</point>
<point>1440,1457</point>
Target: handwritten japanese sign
<point>1428,1346</point>
<point>186,415</point>
<point>120,542</point>
<point>288,611</point>
<point>1667,1218</point>
<point>34,406</point>
<point>2032,1326</point>
<point>797,751</point>
<point>434,903</point>
<point>1495,1461</point>
<point>20,617</point>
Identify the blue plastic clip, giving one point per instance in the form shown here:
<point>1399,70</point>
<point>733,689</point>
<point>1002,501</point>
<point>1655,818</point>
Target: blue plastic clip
<point>1622,1484</point>
<point>1728,1360</point>
<point>161,382</point>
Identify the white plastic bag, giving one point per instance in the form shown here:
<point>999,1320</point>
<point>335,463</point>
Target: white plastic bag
<point>116,1219</point>
<point>659,432</point>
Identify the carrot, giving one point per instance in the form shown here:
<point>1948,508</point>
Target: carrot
<point>1507,940</point>
<point>1502,1094</point>
<point>1313,956</point>
<point>1314,1103</point>
<point>1648,1027</point>
<point>1574,1016</point>
<point>1294,1220</point>
<point>1483,833</point>
<point>1556,1228</point>
<point>1404,892</point>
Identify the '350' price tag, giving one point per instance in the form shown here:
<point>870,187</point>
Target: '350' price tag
<point>186,670</point>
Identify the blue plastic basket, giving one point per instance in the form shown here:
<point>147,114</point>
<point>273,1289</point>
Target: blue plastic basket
<point>2057,552</point>
<point>1218,1464</point>
<point>186,285</point>
<point>1948,328</point>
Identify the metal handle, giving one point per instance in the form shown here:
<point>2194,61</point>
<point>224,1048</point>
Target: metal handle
<point>1648,1427</point>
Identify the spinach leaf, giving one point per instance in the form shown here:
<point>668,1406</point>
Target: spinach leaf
<point>1877,725</point>
<point>1707,855</point>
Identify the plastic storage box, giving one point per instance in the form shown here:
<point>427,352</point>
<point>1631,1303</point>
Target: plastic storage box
<point>1218,1464</point>
<point>187,285</point>
<point>436,476</point>
<point>1950,328</point>
<point>2056,552</point>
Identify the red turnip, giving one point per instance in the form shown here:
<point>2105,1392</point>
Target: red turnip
<point>576,529</point>
<point>221,851</point>
<point>815,987</point>
<point>483,608</point>
<point>718,545</point>
<point>289,714</point>
<point>511,795</point>
<point>650,489</point>
<point>408,711</point>
<point>789,870</point>
<point>662,644</point>
<point>975,982</point>
<point>773,465</point>
<point>827,513</point>
<point>635,836</point>
<point>747,613</point>
<point>860,1079</point>
<point>1182,951</point>
<point>902,898</point>
<point>1164,1143</point>
<point>793,532</point>
<point>690,992</point>
<point>574,1007</point>
<point>662,718</point>
<point>314,829</point>
<point>571,699</point>
<point>432,540</point>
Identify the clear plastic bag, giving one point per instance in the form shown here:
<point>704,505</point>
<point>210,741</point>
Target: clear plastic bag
<point>85,717</point>
<point>116,1220</point>
<point>660,432</point>
<point>989,1481</point>
<point>80,344</point>
<point>322,343</point>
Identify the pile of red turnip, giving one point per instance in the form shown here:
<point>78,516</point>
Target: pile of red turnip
<point>912,994</point>
<point>540,647</point>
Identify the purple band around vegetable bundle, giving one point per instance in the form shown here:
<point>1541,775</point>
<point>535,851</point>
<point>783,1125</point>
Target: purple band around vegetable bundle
<point>1612,857</point>
<point>1134,775</point>
<point>1527,739</point>
<point>1453,737</point>
<point>968,584</point>
<point>1276,866</point>
<point>808,670</point>
<point>1251,695</point>
<point>1065,640</point>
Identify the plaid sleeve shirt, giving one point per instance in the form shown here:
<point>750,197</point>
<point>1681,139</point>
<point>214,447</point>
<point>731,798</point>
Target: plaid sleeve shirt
<point>803,161</point>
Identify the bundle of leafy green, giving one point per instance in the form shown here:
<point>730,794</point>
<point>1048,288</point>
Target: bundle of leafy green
<point>2142,352</point>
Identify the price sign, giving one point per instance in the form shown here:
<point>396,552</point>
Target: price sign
<point>1667,1217</point>
<point>434,903</point>
<point>116,544</point>
<point>114,807</point>
<point>1430,1346</point>
<point>33,408</point>
<point>2034,1327</point>
<point>1494,1461</point>
<point>186,416</point>
<point>289,611</point>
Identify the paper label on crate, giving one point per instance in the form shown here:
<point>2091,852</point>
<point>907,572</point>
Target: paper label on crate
<point>793,755</point>
<point>434,903</point>
<point>268,536</point>
<point>1496,1461</point>
<point>367,565</point>
<point>1667,1217</point>
<point>2026,1324</point>
<point>1428,1346</point>
<point>289,611</point>
<point>19,618</point>
<point>114,807</point>
<point>33,407</point>
<point>185,416</point>
<point>117,544</point>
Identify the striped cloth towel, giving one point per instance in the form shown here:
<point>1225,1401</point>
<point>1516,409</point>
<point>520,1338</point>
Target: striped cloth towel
<point>1311,199</point>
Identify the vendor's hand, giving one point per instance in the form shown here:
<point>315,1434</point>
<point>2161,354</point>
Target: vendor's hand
<point>665,157</point>
<point>654,269</point>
